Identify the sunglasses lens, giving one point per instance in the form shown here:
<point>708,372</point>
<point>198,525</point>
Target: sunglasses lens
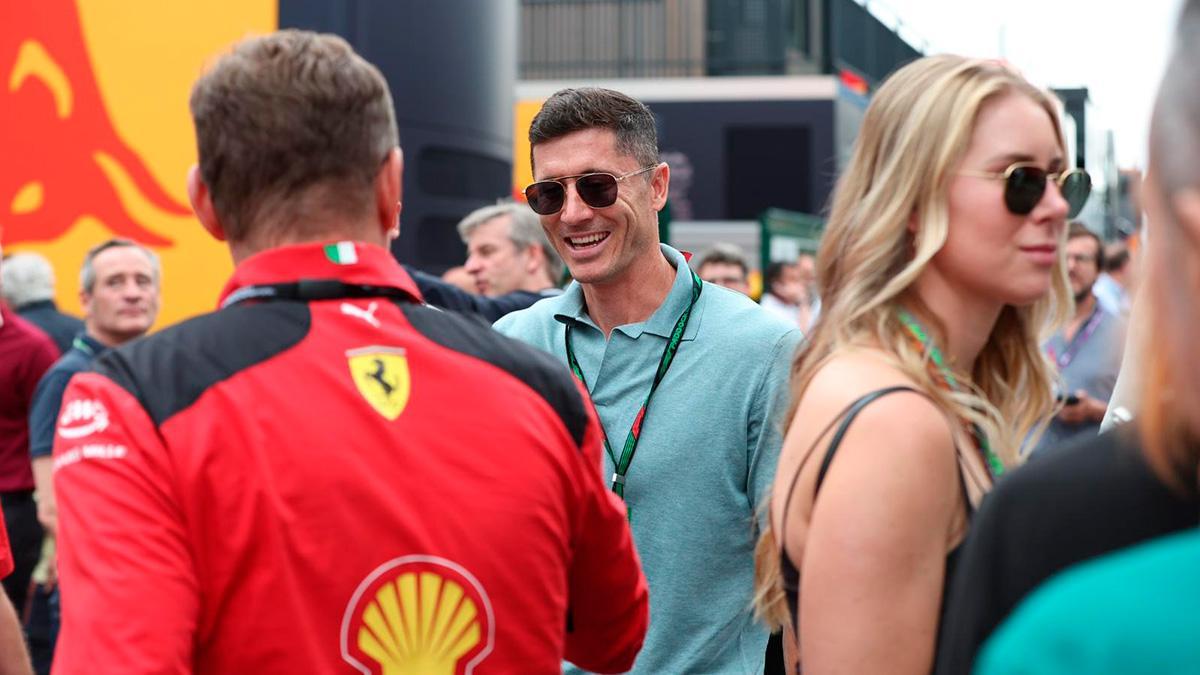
<point>1076,187</point>
<point>545,197</point>
<point>597,190</point>
<point>1024,189</point>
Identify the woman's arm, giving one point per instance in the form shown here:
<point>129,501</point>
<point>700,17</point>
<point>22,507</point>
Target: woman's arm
<point>875,551</point>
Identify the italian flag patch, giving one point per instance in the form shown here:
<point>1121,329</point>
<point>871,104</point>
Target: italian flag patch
<point>341,253</point>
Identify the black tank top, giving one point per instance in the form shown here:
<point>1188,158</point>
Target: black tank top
<point>789,571</point>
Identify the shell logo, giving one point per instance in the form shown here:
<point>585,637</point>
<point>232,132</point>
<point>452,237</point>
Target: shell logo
<point>418,615</point>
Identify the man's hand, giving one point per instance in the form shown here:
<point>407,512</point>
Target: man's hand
<point>1088,409</point>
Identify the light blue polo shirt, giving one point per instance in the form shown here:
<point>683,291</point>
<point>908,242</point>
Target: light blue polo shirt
<point>710,441</point>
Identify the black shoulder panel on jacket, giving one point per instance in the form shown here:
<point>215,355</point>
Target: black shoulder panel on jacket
<point>169,370</point>
<point>470,335</point>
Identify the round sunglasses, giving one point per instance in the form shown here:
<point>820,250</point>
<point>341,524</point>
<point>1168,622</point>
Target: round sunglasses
<point>1025,183</point>
<point>597,190</point>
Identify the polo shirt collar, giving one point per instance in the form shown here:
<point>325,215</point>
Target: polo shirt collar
<point>346,261</point>
<point>91,346</point>
<point>572,307</point>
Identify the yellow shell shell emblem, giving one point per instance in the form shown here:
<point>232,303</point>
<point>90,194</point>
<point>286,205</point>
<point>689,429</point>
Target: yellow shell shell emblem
<point>381,375</point>
<point>418,615</point>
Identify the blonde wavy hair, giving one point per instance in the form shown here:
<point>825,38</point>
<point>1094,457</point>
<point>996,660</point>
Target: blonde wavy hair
<point>915,133</point>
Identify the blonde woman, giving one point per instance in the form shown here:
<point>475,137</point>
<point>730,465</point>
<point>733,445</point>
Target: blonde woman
<point>941,262</point>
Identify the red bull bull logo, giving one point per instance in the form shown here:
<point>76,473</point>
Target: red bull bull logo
<point>63,157</point>
<point>96,139</point>
<point>418,615</point>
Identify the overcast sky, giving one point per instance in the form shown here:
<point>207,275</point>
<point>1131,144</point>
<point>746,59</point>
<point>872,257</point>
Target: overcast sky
<point>1117,50</point>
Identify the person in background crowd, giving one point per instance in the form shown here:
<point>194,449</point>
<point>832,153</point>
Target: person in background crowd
<point>940,263</point>
<point>119,290</point>
<point>1127,486</point>
<point>724,265</point>
<point>301,481</point>
<point>1114,288</point>
<point>784,294</point>
<point>14,660</point>
<point>507,250</point>
<point>646,335</point>
<point>511,264</point>
<point>807,264</point>
<point>29,290</point>
<point>1087,350</point>
<point>25,355</point>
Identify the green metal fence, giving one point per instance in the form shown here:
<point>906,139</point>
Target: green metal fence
<point>784,235</point>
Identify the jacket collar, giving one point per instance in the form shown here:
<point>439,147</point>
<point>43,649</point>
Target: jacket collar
<point>347,261</point>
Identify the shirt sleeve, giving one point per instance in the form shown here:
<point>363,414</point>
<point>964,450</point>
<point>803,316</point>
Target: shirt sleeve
<point>43,412</point>
<point>448,296</point>
<point>130,587</point>
<point>609,599</point>
<point>766,424</point>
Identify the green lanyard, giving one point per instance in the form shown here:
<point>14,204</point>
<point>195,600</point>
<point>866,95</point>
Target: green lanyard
<point>84,347</point>
<point>910,322</point>
<point>635,432</point>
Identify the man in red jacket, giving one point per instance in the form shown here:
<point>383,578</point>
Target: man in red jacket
<point>325,475</point>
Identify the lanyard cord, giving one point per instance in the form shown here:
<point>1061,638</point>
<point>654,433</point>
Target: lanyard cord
<point>84,347</point>
<point>1077,342</point>
<point>621,465</point>
<point>995,466</point>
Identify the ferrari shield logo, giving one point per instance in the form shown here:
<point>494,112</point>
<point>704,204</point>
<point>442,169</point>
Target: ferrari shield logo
<point>381,375</point>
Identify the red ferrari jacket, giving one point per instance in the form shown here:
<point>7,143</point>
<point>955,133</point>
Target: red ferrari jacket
<point>326,476</point>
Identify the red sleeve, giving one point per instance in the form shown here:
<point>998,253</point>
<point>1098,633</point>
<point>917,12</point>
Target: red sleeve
<point>610,607</point>
<point>6,561</point>
<point>130,592</point>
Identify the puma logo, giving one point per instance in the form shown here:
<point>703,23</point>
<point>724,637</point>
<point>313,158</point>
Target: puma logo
<point>367,314</point>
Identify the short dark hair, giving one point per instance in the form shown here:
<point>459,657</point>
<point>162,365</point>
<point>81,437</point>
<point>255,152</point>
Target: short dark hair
<point>571,110</point>
<point>1076,229</point>
<point>722,253</point>
<point>282,114</point>
<point>774,272</point>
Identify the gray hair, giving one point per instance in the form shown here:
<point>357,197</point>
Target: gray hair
<point>87,274</point>
<point>26,278</point>
<point>525,230</point>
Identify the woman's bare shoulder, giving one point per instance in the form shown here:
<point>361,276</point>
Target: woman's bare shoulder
<point>910,421</point>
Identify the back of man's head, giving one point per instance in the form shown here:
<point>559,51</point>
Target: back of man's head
<point>571,110</point>
<point>26,278</point>
<point>292,129</point>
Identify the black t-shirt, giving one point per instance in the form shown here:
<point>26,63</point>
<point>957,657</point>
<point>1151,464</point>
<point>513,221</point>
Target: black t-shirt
<point>1069,504</point>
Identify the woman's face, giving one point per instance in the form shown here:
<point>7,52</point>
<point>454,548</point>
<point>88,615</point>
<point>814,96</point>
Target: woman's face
<point>990,252</point>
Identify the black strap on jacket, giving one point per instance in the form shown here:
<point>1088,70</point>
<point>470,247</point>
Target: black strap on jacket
<point>315,289</point>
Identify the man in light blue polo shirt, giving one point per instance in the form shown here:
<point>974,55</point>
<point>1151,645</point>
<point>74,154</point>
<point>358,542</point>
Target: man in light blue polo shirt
<point>689,379</point>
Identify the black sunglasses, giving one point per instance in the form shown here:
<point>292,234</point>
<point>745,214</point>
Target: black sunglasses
<point>1025,183</point>
<point>597,190</point>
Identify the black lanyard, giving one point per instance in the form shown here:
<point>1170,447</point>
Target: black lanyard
<point>314,289</point>
<point>621,465</point>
